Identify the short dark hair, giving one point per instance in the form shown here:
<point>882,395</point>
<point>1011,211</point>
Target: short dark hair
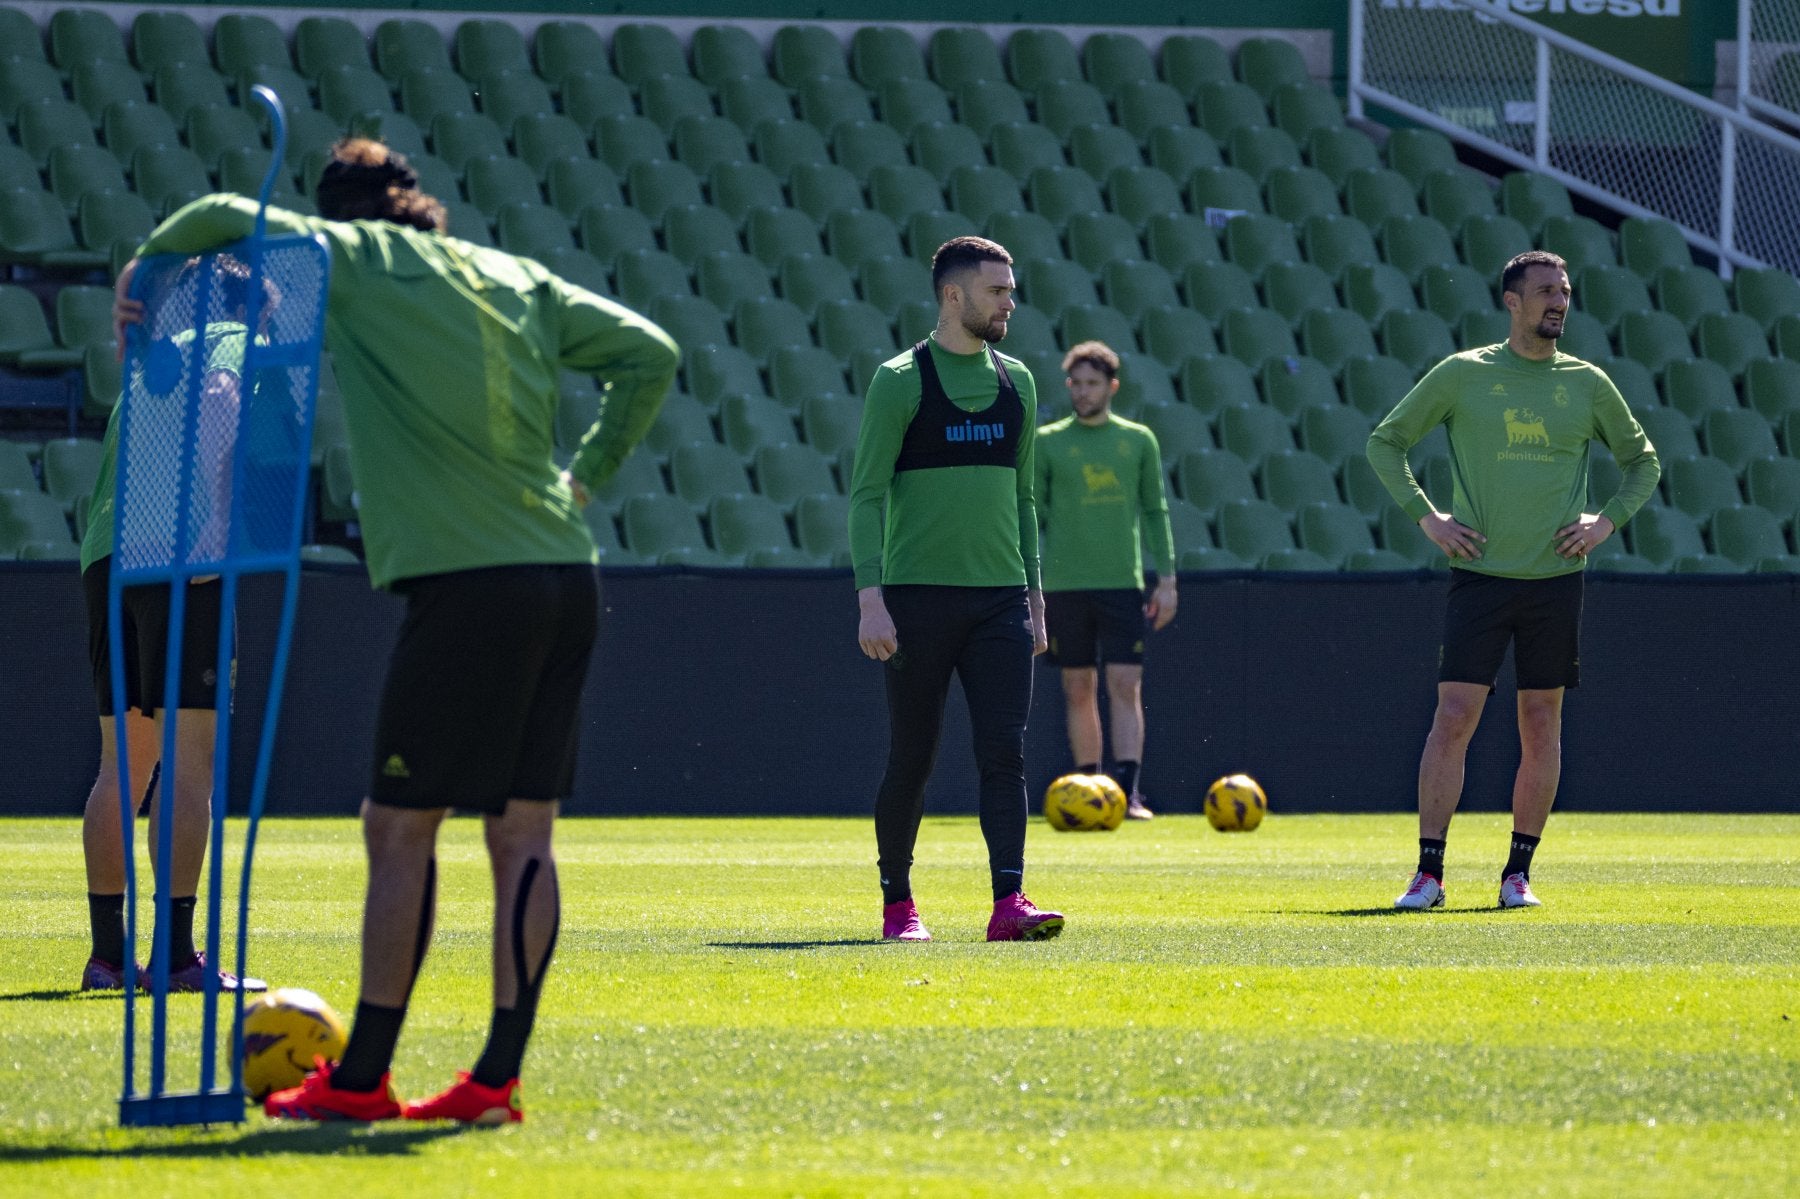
<point>1520,263</point>
<point>960,254</point>
<point>1096,354</point>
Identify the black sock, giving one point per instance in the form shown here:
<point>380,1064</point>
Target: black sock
<point>181,930</point>
<point>106,922</point>
<point>1431,858</point>
<point>1087,768</point>
<point>1006,882</point>
<point>1125,774</point>
<point>896,885</point>
<point>1519,860</point>
<point>511,1027</point>
<point>371,1048</point>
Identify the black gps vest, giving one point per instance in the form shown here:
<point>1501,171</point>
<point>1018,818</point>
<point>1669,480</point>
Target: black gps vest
<point>941,434</point>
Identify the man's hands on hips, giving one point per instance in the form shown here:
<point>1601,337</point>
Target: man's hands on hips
<point>1457,540</point>
<point>1579,539</point>
<point>1040,639</point>
<point>1161,608</point>
<point>874,627</point>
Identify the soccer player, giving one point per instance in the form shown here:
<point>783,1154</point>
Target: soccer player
<point>448,356</point>
<point>1520,416</point>
<point>1099,493</point>
<point>145,621</point>
<point>949,583</point>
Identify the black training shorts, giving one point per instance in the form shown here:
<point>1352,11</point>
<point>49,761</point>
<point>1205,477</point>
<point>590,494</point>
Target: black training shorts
<point>1540,617</point>
<point>483,690</point>
<point>144,613</point>
<point>1089,626</point>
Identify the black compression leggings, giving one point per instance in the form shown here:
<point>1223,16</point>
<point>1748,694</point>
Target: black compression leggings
<point>983,636</point>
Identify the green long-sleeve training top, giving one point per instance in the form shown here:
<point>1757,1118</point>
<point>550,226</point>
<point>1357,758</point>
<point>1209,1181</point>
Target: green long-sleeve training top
<point>1519,432</point>
<point>1099,490</point>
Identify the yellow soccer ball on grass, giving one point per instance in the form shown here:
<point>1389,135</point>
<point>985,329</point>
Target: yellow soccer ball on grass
<point>1115,801</point>
<point>284,1030</point>
<point>1236,804</point>
<point>1076,803</point>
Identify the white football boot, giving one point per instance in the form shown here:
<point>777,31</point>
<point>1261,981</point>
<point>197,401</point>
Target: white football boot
<point>1423,892</point>
<point>1515,892</point>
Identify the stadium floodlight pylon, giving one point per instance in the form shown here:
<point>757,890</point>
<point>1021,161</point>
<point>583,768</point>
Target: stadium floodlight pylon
<point>211,483</point>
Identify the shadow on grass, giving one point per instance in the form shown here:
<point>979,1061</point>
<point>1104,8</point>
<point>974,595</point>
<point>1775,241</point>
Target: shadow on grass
<point>265,1141</point>
<point>795,944</point>
<point>1392,911</point>
<point>70,993</point>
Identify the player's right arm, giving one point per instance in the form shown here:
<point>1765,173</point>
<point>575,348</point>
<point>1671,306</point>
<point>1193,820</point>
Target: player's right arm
<point>1425,407</point>
<point>887,410</point>
<point>636,358</point>
<point>1153,509</point>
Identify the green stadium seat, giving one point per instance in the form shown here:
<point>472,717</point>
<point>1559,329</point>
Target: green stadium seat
<point>1484,328</point>
<point>846,326</point>
<point>1737,436</point>
<point>829,422</point>
<point>532,229</point>
<point>1374,195</point>
<point>670,99</point>
<point>49,122</point>
<point>822,524</point>
<point>1253,529</point>
<point>1648,244</point>
<point>681,420</point>
<point>495,182</point>
<point>70,464</point>
<point>1136,287</point>
<point>544,139</point>
<point>321,44</point>
<point>1039,56</point>
<point>821,189</point>
<point>1418,153</point>
<point>806,52</point>
<point>1765,294</point>
<point>1747,534</point>
<point>1301,109</point>
<point>1021,148</point>
<point>1362,488</point>
<point>692,231</point>
<point>1772,483</point>
<point>1179,240</point>
<point>1690,292</point>
<point>1413,243</point>
<point>1787,336</point>
<point>182,87</point>
<point>729,276</point>
<point>786,147</point>
<point>898,190</point>
<point>1730,339</point>
<point>1296,194</point>
<point>1772,387</point>
<point>1253,432</point>
<point>862,146</point>
<point>312,132</point>
<point>1146,105</point>
<point>1259,149</point>
<point>1296,288</point>
<point>1188,529</point>
<point>244,40</point>
<point>826,100</point>
<point>1030,334</point>
<point>1375,560</point>
<point>462,137</point>
<point>1633,380</point>
<point>1336,243</point>
<point>656,187</point>
<point>910,102</point>
<point>1113,62</point>
<point>485,47</point>
<point>1340,152</point>
<point>962,55</point>
<point>1097,322</point>
<point>788,473</point>
<point>1294,385</point>
<point>95,85</point>
<point>1210,479</point>
<point>1296,560</point>
<point>213,130</point>
<point>1212,382</point>
<point>1137,193</point>
<point>751,421</point>
<point>1254,335</point>
<point>1375,384</point>
<point>1179,150</point>
<point>83,316</point>
<point>1696,386</point>
<point>771,234</point>
<point>1222,106</point>
<point>28,517</point>
<point>1490,242</point>
<point>655,524</point>
<point>508,96</point>
<point>1256,240</point>
<point>35,231</point>
<point>691,320</point>
<point>751,101</point>
<point>985,104</point>
<point>1067,105</point>
<point>568,48</point>
<point>1620,562</point>
<point>161,38</point>
<point>74,171</point>
<point>644,274</point>
<point>1174,334</point>
<point>427,95</point>
<point>23,330</point>
<point>856,236</point>
<point>1335,335</point>
<point>1608,292</point>
<point>978,193</point>
<point>1661,535</point>
<point>466,221</point>
<point>609,231</point>
<point>1269,63</point>
<point>1452,196</point>
<point>1401,534</point>
<point>1701,486</point>
<point>1420,339</point>
<point>641,51</point>
<point>879,53</point>
<point>1223,190</point>
<point>811,280</point>
<point>1671,432</point>
<point>1532,199</point>
<point>1059,192</point>
<point>1372,290</point>
<point>1190,60</point>
<point>740,188</point>
<point>943,147</point>
<point>1335,433</point>
<point>764,325</point>
<point>625,142</point>
<point>1582,242</point>
<point>85,35</point>
<point>703,470</point>
<point>1292,479</point>
<point>1053,285</point>
<point>347,92</point>
<point>1336,532</point>
<point>892,282</point>
<point>1096,239</point>
<point>798,373</point>
<point>715,372</point>
<point>590,97</point>
<point>16,472</point>
<point>169,176</point>
<point>1144,382</point>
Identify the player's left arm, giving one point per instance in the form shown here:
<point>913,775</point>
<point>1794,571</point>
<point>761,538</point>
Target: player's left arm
<point>1025,470</point>
<point>637,359</point>
<point>1638,463</point>
<point>1153,508</point>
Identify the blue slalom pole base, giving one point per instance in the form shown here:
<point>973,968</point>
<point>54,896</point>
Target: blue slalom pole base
<point>223,1106</point>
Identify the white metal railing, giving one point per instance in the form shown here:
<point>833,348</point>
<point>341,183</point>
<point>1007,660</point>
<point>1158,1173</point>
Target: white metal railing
<point>1602,127</point>
<point>1768,59</point>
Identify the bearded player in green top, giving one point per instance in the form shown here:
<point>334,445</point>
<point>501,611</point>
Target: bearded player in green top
<point>1520,417</point>
<point>448,355</point>
<point>1099,495</point>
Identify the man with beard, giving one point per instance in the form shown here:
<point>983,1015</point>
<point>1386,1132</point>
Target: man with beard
<point>947,583</point>
<point>1520,416</point>
<point>1101,504</point>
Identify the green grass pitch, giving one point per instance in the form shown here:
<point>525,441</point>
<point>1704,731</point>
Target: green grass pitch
<point>1226,1015</point>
